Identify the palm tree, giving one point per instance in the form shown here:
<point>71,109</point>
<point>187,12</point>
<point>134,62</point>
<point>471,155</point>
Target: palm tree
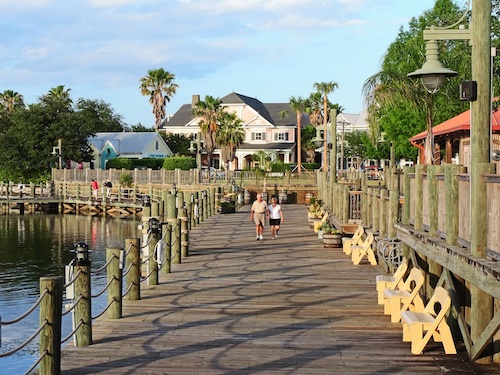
<point>10,100</point>
<point>299,106</point>
<point>325,88</point>
<point>209,111</point>
<point>314,109</point>
<point>159,86</point>
<point>229,136</point>
<point>57,95</point>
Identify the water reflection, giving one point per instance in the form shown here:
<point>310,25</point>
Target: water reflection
<point>32,246</point>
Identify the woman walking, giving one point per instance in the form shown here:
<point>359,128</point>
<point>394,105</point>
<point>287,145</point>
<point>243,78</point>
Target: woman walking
<point>275,215</point>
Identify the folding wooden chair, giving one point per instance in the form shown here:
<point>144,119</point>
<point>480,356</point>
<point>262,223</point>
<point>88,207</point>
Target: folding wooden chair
<point>418,327</point>
<point>356,239</point>
<point>407,297</point>
<point>390,282</point>
<point>365,249</point>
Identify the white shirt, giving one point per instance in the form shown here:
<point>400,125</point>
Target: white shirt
<point>274,211</point>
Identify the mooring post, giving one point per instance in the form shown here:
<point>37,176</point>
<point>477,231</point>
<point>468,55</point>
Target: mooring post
<point>114,274</point>
<point>184,233</point>
<point>133,262</point>
<point>83,308</point>
<point>175,240</point>
<point>50,336</point>
<point>167,238</point>
<point>154,229</point>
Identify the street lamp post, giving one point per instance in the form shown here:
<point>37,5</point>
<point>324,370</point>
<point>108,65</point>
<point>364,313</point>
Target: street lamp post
<point>196,147</point>
<point>57,151</point>
<point>480,36</point>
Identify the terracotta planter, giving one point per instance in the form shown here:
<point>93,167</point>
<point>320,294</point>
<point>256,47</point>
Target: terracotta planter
<point>332,240</point>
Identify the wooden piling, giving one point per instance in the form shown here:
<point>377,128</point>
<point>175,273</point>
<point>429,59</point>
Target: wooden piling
<point>50,336</point>
<point>83,309</point>
<point>114,275</point>
<point>133,260</point>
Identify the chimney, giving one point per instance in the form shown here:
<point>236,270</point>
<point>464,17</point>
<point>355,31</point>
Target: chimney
<point>194,100</point>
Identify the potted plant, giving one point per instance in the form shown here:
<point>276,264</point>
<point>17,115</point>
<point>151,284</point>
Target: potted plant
<point>228,207</point>
<point>332,237</point>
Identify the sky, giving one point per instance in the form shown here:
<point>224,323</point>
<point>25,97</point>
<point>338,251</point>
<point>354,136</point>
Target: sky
<point>266,49</point>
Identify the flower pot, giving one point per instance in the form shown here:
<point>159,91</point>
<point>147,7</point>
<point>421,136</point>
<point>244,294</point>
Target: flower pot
<point>332,240</point>
<point>320,234</point>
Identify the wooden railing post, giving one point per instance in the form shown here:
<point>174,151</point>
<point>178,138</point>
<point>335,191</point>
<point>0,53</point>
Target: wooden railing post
<point>50,336</point>
<point>114,275</point>
<point>407,195</point>
<point>133,260</point>
<point>83,309</point>
<point>383,213</point>
<point>176,241</point>
<point>153,278</point>
<point>375,210</point>
<point>434,268</point>
<point>345,204</point>
<point>184,233</point>
<point>393,213</point>
<point>418,196</point>
<point>167,238</point>
<point>369,206</point>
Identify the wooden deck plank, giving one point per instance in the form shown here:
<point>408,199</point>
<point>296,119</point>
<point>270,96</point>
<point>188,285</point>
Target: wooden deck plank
<point>241,306</point>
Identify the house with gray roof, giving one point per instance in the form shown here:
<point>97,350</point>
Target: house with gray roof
<point>265,129</point>
<point>131,145</point>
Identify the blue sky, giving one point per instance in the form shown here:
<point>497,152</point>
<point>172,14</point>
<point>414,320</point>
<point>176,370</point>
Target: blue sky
<point>267,49</point>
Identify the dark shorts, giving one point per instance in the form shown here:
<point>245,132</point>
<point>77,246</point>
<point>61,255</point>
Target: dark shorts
<point>274,221</point>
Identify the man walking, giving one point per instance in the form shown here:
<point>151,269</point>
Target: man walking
<point>258,216</point>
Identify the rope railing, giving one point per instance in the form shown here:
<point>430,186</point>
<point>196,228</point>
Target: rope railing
<point>125,273</point>
<point>28,312</point>
<point>103,268</point>
<point>103,289</point>
<point>127,291</point>
<point>80,323</point>
<point>28,340</point>
<point>105,309</point>
<point>73,305</point>
<point>72,281</point>
<point>37,362</point>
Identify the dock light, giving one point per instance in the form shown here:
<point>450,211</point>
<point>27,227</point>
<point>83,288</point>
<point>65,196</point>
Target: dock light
<point>81,254</point>
<point>146,201</point>
<point>432,73</point>
<point>154,225</point>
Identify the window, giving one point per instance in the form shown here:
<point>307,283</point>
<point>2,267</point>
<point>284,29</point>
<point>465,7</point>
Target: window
<point>258,136</point>
<point>281,136</point>
<point>157,145</point>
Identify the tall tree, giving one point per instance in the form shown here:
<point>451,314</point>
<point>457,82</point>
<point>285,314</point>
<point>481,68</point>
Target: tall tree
<point>299,106</point>
<point>58,96</point>
<point>391,95</point>
<point>159,85</point>
<point>230,136</point>
<point>98,116</point>
<point>209,111</point>
<point>325,88</point>
<point>10,100</point>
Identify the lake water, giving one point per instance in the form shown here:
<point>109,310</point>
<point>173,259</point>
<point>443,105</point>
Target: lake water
<point>32,246</point>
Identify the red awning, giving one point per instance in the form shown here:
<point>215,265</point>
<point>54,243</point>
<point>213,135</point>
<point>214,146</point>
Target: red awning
<point>455,124</point>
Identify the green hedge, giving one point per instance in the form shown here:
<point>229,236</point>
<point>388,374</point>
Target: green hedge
<point>146,163</point>
<point>184,163</point>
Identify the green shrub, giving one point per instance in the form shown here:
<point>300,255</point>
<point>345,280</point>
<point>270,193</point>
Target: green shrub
<point>120,163</point>
<point>126,180</point>
<point>184,163</point>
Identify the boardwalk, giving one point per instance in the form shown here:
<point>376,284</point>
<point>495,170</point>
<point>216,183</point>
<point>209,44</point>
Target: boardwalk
<point>241,306</point>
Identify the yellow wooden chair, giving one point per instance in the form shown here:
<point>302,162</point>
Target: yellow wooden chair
<point>407,297</point>
<point>418,327</point>
<point>365,249</point>
<point>390,282</point>
<point>356,239</point>
<point>318,223</point>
